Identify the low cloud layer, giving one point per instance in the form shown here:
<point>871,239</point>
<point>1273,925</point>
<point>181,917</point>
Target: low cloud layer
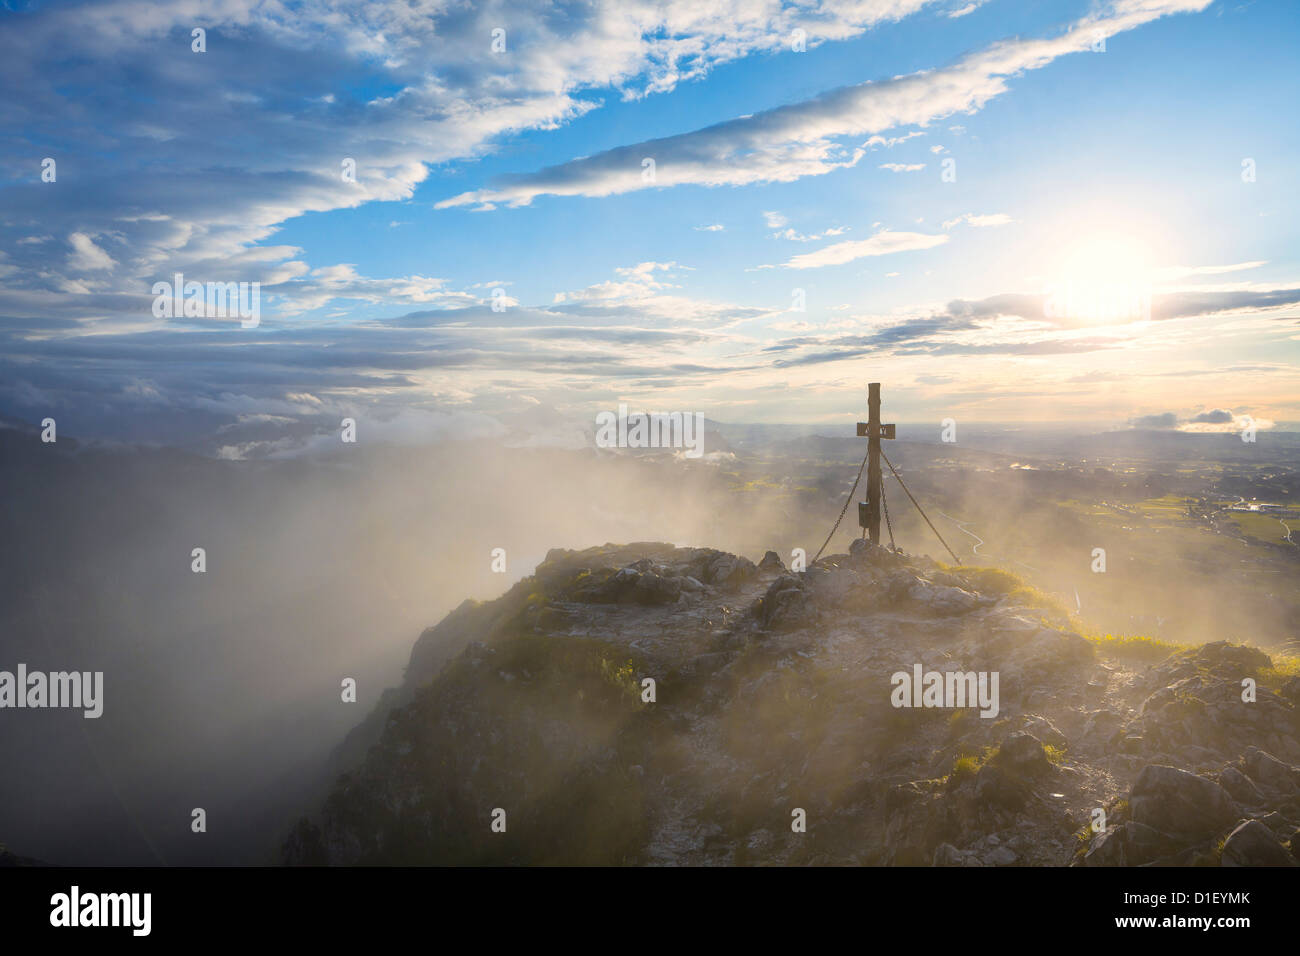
<point>1214,421</point>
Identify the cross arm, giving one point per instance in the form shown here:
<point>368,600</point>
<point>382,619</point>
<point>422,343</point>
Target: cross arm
<point>864,430</point>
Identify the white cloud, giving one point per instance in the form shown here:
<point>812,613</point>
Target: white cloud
<point>780,223</point>
<point>803,139</point>
<point>1173,273</point>
<point>996,219</point>
<point>1235,424</point>
<point>794,236</point>
<point>640,297</point>
<point>634,282</point>
<point>890,141</point>
<point>170,204</point>
<point>903,167</point>
<point>881,244</point>
<point>320,286</point>
<point>86,256</point>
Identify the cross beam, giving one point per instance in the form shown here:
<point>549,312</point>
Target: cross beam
<point>869,511</point>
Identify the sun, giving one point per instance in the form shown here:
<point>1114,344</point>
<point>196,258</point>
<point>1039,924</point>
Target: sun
<point>1101,278</point>
<point>1112,257</point>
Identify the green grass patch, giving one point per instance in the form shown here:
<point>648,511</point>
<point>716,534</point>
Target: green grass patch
<point>1261,527</point>
<point>968,764</point>
<point>1283,669</point>
<point>1003,583</point>
<point>1139,647</point>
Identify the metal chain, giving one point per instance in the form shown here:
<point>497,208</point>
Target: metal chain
<point>884,506</point>
<point>918,507</point>
<point>843,510</point>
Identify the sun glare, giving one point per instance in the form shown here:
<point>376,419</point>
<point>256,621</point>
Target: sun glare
<point>1101,278</point>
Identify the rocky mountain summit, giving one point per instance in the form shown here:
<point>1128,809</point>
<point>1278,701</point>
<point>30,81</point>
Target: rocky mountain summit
<point>648,704</point>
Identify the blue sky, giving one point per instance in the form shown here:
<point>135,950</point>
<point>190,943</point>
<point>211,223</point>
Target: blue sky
<point>782,178</point>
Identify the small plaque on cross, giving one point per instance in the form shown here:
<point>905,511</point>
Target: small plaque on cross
<point>885,431</point>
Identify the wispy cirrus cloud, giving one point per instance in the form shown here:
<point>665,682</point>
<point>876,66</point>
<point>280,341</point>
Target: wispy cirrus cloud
<point>970,219</point>
<point>883,243</point>
<point>781,229</point>
<point>806,138</point>
<point>1174,273</point>
<point>891,141</point>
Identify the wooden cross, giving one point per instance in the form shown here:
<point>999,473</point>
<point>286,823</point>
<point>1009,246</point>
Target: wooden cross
<point>869,510</point>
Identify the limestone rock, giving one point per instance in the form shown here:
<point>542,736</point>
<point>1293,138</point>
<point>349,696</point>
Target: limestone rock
<point>1253,844</point>
<point>1175,801</point>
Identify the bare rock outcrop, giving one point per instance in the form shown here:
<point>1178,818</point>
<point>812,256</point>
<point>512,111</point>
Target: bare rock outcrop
<point>652,704</point>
